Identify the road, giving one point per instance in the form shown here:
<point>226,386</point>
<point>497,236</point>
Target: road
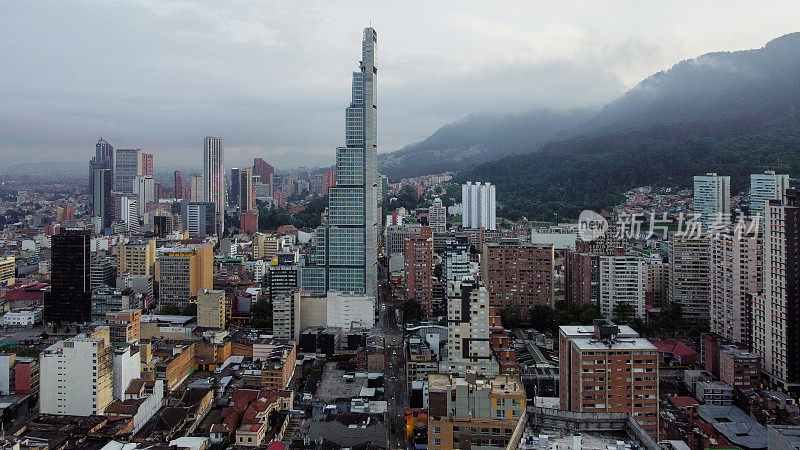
<point>395,364</point>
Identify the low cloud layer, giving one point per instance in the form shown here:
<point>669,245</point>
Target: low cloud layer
<point>273,78</point>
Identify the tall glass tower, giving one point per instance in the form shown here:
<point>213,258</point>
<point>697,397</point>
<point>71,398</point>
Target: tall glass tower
<point>348,244</point>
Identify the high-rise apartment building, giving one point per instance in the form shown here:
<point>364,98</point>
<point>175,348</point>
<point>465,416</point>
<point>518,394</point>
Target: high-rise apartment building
<point>182,271</point>
<point>178,186</point>
<point>657,284</point>
<point>102,198</point>
<point>479,414</point>
<point>455,261</point>
<point>211,309</point>
<point>478,205</point>
<point>214,177</point>
<point>127,166</point>
<point>124,325</point>
<point>76,376</point>
<point>468,347</point>
<point>328,181</point>
<point>777,312</point>
<point>147,164</point>
<point>766,186</point>
<point>137,257</point>
<point>690,276</point>
<point>437,216</point>
<point>70,296</point>
<point>737,262</point>
<point>517,274</point>
<point>581,275</point>
<point>609,370</point>
<point>712,200</point>
<point>246,196</point>
<point>419,270</point>
<point>350,235</point>
<point>622,280</point>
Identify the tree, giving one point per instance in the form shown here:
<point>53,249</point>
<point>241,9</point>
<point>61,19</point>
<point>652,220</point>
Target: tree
<point>542,317</point>
<point>169,310</point>
<point>511,316</point>
<point>623,313</point>
<point>412,311</point>
<point>190,309</point>
<point>261,312</point>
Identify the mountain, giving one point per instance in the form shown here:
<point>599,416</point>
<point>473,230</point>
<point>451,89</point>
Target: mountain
<point>733,113</point>
<point>479,138</point>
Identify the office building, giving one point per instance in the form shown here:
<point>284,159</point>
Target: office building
<point>147,164</point>
<point>712,200</point>
<point>591,367</point>
<point>777,311</point>
<point>178,185</point>
<point>265,172</point>
<point>103,272</point>
<point>107,300</point>
<point>77,376</point>
<point>103,159</point>
<point>102,198</point>
<point>199,218</point>
<point>211,309</point>
<point>235,180</point>
<point>196,192</point>
<point>765,186</point>
<point>127,166</point>
<point>455,262</point>
<point>7,373</point>
<point>350,235</point>
<point>419,270</point>
<point>137,257</point>
<point>622,280</point>
<point>214,177</point>
<point>182,271</point>
<point>690,276</point>
<point>264,247</point>
<point>518,274</point>
<point>739,368</point>
<point>396,236</point>
<point>284,277</point>
<point>475,413</point>
<point>737,263</point>
<point>246,196</point>
<point>144,190</point>
<point>70,296</point>
<point>478,205</point>
<point>468,348</point>
<point>437,217</point>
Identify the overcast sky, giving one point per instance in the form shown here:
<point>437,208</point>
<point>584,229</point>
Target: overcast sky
<point>273,78</point>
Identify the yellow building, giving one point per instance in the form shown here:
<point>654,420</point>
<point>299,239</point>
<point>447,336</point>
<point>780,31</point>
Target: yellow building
<point>137,258</point>
<point>211,309</point>
<point>264,247</point>
<point>7,270</point>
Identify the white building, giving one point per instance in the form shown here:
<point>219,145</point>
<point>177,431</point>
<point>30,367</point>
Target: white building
<point>437,216</point>
<point>144,190</point>
<point>214,176</point>
<point>25,317</point>
<point>478,205</point>
<point>76,377</point>
<point>292,313</point>
<point>766,186</point>
<point>622,280</point>
<point>196,188</point>
<point>712,199</point>
<point>7,373</point>
<point>468,348</point>
<point>127,367</point>
<point>147,396</point>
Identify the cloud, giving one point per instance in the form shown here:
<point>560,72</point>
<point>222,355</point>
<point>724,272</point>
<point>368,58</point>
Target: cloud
<point>273,78</point>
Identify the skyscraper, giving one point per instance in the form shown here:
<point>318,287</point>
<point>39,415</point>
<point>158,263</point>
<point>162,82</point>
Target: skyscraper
<point>690,276</point>
<point>103,159</point>
<point>352,226</point>
<point>147,164</point>
<point>479,207</point>
<point>264,170</point>
<point>765,186</point>
<point>214,176</point>
<point>127,166</point>
<point>234,198</point>
<point>178,184</point>
<point>246,191</point>
<point>712,199</point>
<point>70,296</point>
<point>102,200</point>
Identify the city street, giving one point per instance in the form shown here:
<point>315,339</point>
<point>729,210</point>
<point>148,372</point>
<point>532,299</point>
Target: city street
<point>395,364</point>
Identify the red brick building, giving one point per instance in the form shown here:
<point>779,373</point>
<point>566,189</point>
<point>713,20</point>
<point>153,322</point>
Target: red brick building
<point>419,269</point>
<point>248,222</point>
<point>581,276</point>
<point>518,274</point>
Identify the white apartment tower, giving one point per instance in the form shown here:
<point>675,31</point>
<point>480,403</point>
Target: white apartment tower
<point>478,205</point>
<point>712,199</point>
<point>766,186</point>
<point>214,176</point>
<point>468,347</point>
<point>623,279</point>
<point>437,217</point>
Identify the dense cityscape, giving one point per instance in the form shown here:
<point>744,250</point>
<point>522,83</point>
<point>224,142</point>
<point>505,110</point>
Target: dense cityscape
<point>387,302</point>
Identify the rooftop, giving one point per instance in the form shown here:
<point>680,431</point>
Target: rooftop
<point>737,427</point>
